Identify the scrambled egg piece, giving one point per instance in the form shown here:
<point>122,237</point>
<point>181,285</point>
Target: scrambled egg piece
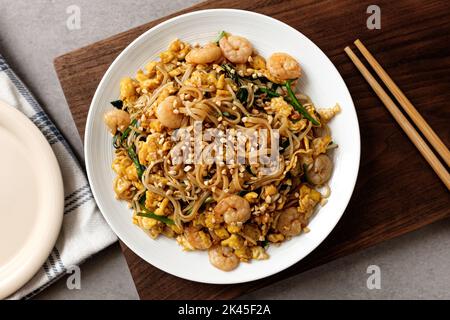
<point>233,229</point>
<point>148,150</point>
<point>279,106</point>
<point>270,190</point>
<point>257,62</point>
<point>222,233</point>
<point>258,253</point>
<point>251,197</point>
<point>127,89</point>
<point>297,126</point>
<point>202,79</point>
<point>275,237</point>
<point>327,114</point>
<point>221,82</point>
<point>319,145</point>
<point>243,253</point>
<point>308,200</point>
<point>152,200</point>
<point>234,241</point>
<point>182,241</point>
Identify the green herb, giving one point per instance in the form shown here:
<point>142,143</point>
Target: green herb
<point>270,93</point>
<point>228,115</point>
<point>284,144</point>
<point>243,193</point>
<point>117,104</point>
<point>139,168</point>
<point>242,94</point>
<point>297,105</point>
<point>249,170</point>
<point>231,73</point>
<point>148,214</point>
<point>220,36</point>
<point>208,200</point>
<point>265,243</point>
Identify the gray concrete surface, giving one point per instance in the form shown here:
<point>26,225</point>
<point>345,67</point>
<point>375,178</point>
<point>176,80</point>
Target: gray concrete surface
<point>32,33</point>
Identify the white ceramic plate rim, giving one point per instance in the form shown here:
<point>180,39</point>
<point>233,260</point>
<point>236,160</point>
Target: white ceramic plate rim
<point>51,205</point>
<point>287,262</point>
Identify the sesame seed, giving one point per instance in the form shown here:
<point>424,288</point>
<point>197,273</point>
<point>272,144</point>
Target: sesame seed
<point>187,168</point>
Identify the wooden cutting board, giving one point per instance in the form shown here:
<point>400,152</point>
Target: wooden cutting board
<point>396,192</point>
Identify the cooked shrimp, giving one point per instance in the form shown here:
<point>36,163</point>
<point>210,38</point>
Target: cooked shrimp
<point>166,113</point>
<point>207,54</point>
<point>223,258</point>
<point>283,67</point>
<point>117,119</point>
<point>234,209</point>
<point>196,238</point>
<point>236,49</point>
<point>320,171</point>
<point>289,222</point>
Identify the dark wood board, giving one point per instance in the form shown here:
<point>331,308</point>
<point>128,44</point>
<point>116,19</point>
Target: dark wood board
<point>396,191</point>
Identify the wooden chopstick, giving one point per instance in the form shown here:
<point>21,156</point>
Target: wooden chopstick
<point>415,138</point>
<point>412,112</point>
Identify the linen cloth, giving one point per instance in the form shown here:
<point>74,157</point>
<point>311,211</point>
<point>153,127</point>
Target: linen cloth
<point>84,231</point>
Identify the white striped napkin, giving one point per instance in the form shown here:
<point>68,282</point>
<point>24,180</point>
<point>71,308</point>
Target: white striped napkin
<point>84,231</point>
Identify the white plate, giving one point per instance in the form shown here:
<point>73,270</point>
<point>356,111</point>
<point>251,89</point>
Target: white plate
<point>31,200</point>
<point>321,81</point>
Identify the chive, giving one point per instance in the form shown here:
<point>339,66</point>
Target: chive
<point>118,139</point>
<point>242,94</point>
<point>133,156</point>
<point>270,93</point>
<point>151,215</point>
<point>226,114</point>
<point>265,243</point>
<point>297,105</point>
<point>128,130</point>
<point>220,36</point>
<point>117,104</point>
<point>142,199</point>
<point>116,144</point>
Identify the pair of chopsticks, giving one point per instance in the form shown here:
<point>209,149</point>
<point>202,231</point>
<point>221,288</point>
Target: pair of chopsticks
<point>407,106</point>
